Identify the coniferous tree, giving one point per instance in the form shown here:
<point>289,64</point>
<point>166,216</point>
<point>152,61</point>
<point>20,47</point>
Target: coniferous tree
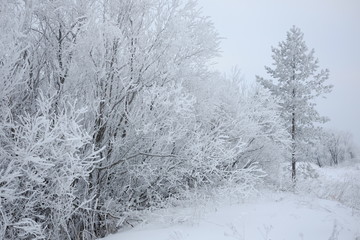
<point>297,80</point>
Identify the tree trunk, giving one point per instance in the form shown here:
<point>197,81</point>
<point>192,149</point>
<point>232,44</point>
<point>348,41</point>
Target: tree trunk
<point>293,159</point>
<point>293,134</point>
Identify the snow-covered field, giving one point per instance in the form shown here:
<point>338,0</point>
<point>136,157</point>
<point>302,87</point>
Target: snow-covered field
<point>339,183</point>
<point>266,215</point>
<point>270,216</point>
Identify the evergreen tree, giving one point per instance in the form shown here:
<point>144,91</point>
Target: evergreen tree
<point>296,80</point>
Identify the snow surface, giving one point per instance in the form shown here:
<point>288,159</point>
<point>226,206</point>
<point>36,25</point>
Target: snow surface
<point>340,183</point>
<point>269,216</point>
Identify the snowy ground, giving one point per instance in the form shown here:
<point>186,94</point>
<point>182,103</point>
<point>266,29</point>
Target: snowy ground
<point>274,216</point>
<point>267,216</point>
<point>340,183</point>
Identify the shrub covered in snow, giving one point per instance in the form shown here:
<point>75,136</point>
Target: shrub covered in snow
<point>341,183</point>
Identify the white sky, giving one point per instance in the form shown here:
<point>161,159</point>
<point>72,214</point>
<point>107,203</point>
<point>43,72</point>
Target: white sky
<point>331,27</point>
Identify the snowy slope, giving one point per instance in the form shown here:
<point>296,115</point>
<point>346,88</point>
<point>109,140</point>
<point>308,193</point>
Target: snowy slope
<point>340,183</point>
<point>272,216</point>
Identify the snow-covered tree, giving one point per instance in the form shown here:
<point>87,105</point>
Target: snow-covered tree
<point>157,124</point>
<point>247,120</point>
<point>296,80</point>
<point>334,147</point>
<point>45,161</point>
<point>340,147</point>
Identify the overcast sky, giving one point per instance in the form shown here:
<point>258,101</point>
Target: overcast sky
<point>331,27</point>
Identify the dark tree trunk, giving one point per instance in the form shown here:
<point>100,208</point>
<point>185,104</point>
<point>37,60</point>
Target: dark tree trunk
<point>293,137</point>
<point>293,158</point>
